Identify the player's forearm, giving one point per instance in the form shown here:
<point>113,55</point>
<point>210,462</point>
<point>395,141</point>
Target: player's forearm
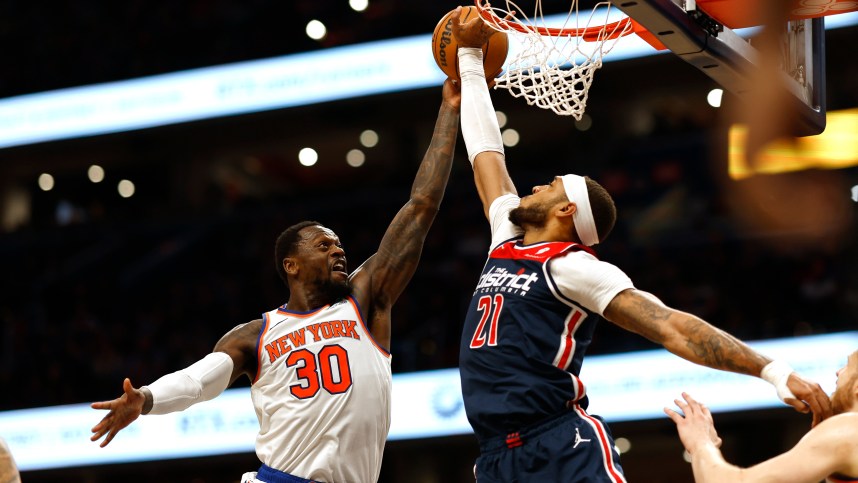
<point>709,466</point>
<point>480,127</point>
<point>434,171</point>
<point>697,341</point>
<point>202,381</point>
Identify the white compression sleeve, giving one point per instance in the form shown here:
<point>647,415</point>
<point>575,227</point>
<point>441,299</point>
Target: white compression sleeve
<point>203,380</point>
<point>479,123</point>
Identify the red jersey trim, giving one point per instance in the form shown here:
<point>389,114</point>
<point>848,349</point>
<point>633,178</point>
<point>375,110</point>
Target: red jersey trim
<point>539,252</point>
<point>607,455</point>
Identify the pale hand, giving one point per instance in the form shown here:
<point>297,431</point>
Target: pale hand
<point>696,429</point>
<point>810,397</point>
<point>123,411</point>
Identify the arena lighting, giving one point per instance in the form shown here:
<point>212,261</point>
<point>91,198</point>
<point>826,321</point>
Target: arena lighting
<point>358,5</point>
<point>836,147</point>
<point>510,137</point>
<point>247,87</point>
<point>46,182</point>
<point>95,173</point>
<point>308,156</point>
<point>369,138</point>
<point>355,158</point>
<point>425,404</point>
<point>316,30</point>
<point>714,97</point>
<point>502,118</point>
<point>125,188</point>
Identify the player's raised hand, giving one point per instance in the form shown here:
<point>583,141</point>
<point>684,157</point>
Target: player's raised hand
<point>695,425</point>
<point>473,33</point>
<point>452,93</point>
<point>809,396</point>
<point>122,412</point>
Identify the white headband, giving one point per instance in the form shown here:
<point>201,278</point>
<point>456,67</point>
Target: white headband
<point>585,225</point>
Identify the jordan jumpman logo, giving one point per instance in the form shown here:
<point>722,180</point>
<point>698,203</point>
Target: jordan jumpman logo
<point>579,439</point>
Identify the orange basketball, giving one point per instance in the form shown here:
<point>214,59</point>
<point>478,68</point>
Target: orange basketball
<point>444,46</point>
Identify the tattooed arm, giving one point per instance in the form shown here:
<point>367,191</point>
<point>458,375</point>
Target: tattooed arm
<point>382,278</point>
<point>697,341</point>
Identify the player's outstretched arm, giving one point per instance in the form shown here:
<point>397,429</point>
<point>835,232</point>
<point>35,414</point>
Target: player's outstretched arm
<point>829,448</point>
<point>479,123</point>
<point>233,356</point>
<point>697,341</point>
<point>122,411</point>
<point>383,277</point>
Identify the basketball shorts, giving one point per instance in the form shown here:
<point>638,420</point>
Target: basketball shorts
<point>267,474</point>
<point>573,447</point>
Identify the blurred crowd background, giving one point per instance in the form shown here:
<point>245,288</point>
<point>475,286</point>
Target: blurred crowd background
<point>97,288</point>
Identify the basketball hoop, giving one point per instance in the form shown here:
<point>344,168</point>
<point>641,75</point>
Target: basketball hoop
<point>553,67</point>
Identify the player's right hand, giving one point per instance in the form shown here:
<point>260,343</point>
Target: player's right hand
<point>809,397</point>
<point>695,426</point>
<point>473,33</point>
<point>123,411</point>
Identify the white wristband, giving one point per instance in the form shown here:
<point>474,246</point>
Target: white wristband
<point>777,373</point>
<point>201,381</point>
<point>479,124</point>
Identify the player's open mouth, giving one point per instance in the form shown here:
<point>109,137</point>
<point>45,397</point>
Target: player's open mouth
<point>339,267</point>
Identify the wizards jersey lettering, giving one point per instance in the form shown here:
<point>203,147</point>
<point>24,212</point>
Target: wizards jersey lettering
<point>499,279</point>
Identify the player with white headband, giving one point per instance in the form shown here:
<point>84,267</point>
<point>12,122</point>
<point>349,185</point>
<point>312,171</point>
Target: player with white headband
<point>536,305</point>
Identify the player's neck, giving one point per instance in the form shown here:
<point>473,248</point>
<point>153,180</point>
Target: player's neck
<point>552,231</point>
<point>304,301</point>
<point>544,234</point>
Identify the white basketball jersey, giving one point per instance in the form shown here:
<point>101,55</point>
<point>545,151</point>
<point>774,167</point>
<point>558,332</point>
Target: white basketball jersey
<point>322,394</point>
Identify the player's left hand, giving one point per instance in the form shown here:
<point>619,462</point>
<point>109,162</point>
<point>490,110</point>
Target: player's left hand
<point>809,397</point>
<point>452,93</point>
<point>696,427</point>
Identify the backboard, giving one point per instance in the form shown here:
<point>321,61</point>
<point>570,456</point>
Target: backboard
<point>704,34</point>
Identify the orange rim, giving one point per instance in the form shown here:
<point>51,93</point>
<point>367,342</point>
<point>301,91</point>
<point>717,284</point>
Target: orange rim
<point>589,34</point>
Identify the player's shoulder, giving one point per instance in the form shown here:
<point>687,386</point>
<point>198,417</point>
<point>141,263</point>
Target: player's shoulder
<point>582,259</point>
<point>838,431</point>
<point>847,419</point>
<point>242,336</point>
<point>837,435</point>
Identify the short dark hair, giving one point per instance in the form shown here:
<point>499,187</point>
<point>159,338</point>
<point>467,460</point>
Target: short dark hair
<point>604,210</point>
<point>286,243</point>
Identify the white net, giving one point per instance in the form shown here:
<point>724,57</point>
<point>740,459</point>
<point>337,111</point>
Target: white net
<point>553,67</point>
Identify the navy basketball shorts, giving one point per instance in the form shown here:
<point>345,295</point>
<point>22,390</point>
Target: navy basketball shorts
<point>574,447</point>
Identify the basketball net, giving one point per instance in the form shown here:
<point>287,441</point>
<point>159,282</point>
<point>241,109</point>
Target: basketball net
<point>553,68</point>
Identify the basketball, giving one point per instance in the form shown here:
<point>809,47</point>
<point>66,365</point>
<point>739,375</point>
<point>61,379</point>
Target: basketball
<point>444,46</point>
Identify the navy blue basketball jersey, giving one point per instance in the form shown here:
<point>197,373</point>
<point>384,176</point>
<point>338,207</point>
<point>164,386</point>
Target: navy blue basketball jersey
<point>528,325</point>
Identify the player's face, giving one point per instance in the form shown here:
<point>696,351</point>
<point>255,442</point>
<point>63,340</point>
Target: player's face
<point>323,260</point>
<point>544,192</point>
<point>535,208</point>
<point>844,397</point>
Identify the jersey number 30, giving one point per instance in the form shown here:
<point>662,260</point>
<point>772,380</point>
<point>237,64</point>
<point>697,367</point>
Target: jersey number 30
<point>487,310</point>
<point>332,371</point>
